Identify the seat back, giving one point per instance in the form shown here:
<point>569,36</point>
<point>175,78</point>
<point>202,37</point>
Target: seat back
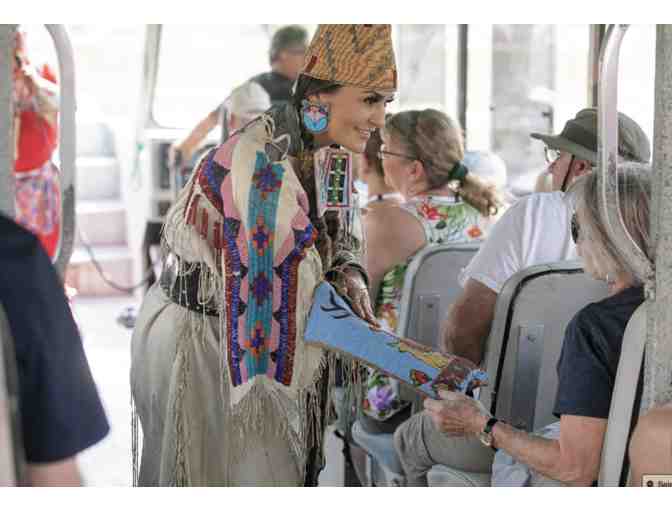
<point>430,286</point>
<point>9,423</point>
<point>521,354</point>
<point>623,400</point>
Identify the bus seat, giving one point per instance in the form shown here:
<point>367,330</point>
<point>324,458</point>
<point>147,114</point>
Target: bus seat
<point>430,286</point>
<point>521,353</point>
<point>619,427</point>
<point>531,314</point>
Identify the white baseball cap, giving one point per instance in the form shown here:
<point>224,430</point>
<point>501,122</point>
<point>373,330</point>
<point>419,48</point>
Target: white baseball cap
<point>248,100</point>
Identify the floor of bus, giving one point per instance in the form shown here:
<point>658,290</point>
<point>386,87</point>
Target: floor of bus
<point>107,346</point>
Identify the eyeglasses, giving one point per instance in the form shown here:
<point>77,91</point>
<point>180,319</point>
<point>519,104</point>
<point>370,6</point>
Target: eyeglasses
<point>552,155</point>
<point>383,154</point>
<point>574,229</point>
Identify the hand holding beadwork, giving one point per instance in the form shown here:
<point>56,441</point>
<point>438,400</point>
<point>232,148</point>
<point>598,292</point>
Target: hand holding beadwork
<point>353,287</point>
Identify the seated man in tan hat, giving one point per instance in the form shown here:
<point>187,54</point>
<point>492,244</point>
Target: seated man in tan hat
<point>535,230</point>
<point>226,390</point>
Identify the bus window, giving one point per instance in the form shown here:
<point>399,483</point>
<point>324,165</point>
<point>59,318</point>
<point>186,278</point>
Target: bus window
<point>636,75</point>
<point>199,65</point>
<point>427,62</point>
<point>538,82</point>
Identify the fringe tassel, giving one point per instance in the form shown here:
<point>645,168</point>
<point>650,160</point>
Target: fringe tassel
<point>135,450</point>
<point>181,475</point>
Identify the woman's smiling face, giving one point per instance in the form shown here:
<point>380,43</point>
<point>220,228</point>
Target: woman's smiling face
<point>353,115</point>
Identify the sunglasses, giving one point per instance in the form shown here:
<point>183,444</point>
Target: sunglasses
<point>574,229</point>
<point>552,155</point>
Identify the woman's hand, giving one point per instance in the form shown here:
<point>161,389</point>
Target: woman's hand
<point>456,414</point>
<point>355,289</point>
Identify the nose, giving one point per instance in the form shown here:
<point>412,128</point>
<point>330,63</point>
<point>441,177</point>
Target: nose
<point>378,115</point>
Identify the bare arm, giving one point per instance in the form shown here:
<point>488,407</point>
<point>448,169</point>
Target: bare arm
<point>468,323</point>
<point>189,145</point>
<point>651,445</point>
<point>573,459</point>
<point>392,235</point>
<point>54,474</point>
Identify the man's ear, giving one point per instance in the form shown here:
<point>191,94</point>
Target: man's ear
<point>581,167</point>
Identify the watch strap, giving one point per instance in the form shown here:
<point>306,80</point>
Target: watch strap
<point>488,429</point>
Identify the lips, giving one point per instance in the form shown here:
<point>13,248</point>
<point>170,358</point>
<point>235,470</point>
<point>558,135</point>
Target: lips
<point>364,133</point>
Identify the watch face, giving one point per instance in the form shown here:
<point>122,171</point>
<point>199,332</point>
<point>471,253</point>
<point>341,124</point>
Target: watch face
<point>486,438</point>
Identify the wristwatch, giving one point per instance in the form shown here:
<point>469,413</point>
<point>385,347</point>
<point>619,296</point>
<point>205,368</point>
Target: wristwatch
<point>486,434</point>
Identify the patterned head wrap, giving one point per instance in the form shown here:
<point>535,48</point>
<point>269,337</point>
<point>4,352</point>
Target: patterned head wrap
<point>357,55</point>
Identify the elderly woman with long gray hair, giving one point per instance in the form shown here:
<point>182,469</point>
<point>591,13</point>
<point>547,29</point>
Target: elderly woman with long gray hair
<point>456,430</point>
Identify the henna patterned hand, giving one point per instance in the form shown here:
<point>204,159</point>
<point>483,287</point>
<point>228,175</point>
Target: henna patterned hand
<point>357,292</point>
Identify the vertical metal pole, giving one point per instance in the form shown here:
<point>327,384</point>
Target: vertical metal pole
<point>462,75</point>
<point>7,34</point>
<point>597,33</point>
<point>608,159</point>
<point>67,145</point>
<point>658,367</point>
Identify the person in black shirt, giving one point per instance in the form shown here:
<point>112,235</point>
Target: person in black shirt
<point>59,407</point>
<point>588,361</point>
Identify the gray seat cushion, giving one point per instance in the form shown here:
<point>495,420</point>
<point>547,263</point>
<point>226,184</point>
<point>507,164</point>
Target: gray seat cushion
<point>444,476</point>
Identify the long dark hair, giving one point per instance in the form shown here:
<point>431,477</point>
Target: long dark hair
<point>307,85</point>
<point>328,226</point>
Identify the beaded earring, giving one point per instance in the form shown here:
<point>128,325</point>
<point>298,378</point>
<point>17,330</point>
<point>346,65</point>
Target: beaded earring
<point>315,116</point>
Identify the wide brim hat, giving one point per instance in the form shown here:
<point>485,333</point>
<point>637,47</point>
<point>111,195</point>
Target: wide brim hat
<point>357,55</point>
<point>579,138</point>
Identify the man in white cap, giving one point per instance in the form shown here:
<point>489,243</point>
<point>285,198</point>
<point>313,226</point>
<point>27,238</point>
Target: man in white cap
<point>245,103</point>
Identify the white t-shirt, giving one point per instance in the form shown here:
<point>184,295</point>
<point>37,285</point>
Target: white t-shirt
<point>535,230</point>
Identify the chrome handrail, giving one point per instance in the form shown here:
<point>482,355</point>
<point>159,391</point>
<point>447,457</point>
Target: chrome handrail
<point>67,144</point>
<point>608,157</point>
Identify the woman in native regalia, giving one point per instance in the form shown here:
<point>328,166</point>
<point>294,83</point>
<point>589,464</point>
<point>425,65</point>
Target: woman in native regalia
<point>226,390</point>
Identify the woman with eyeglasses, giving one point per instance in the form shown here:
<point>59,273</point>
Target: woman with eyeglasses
<point>422,159</point>
<point>567,451</point>
<point>379,193</point>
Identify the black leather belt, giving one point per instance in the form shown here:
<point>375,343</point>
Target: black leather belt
<point>183,289</point>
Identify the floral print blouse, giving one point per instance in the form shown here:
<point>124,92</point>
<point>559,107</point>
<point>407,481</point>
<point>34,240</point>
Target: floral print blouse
<point>444,220</point>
